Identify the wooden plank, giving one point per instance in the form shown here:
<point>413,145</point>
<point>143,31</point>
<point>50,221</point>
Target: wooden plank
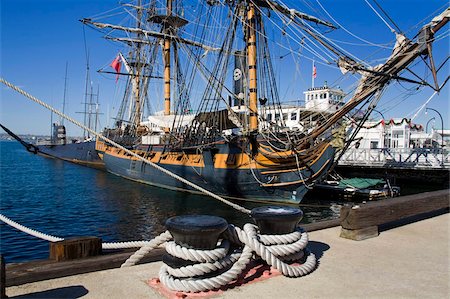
<point>360,234</point>
<point>310,227</point>
<point>21,273</point>
<point>388,210</point>
<point>75,248</point>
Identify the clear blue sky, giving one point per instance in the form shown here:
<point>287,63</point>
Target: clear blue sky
<point>39,37</point>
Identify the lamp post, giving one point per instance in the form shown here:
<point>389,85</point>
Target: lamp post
<point>379,113</point>
<point>442,132</point>
<point>433,118</point>
<point>384,128</point>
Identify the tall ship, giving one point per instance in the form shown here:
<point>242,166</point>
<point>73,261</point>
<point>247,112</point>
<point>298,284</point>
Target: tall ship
<point>212,69</point>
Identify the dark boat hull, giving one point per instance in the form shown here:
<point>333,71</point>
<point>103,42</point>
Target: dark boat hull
<point>82,153</point>
<point>240,183</point>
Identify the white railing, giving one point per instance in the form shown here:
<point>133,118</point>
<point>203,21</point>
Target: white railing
<point>398,157</point>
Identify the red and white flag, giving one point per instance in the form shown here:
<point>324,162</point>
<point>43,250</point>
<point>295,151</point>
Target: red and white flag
<point>116,64</point>
<point>314,74</point>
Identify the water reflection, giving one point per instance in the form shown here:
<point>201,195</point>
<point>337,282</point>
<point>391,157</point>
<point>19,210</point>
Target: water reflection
<point>67,200</point>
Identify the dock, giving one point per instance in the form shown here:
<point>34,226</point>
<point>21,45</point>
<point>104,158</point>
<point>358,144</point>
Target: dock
<point>406,261</point>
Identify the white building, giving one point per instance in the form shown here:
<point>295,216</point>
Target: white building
<point>396,133</point>
<point>319,102</point>
<point>324,99</point>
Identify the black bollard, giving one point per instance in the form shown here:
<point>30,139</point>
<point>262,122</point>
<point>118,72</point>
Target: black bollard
<point>274,220</point>
<point>196,231</point>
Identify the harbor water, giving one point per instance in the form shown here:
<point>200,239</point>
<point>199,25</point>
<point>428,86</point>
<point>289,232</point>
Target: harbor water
<point>67,200</point>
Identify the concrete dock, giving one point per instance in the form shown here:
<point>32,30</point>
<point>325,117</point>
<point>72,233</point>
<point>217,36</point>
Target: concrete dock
<point>410,261</point>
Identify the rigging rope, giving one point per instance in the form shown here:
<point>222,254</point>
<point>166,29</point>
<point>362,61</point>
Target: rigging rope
<point>171,174</point>
<point>376,12</point>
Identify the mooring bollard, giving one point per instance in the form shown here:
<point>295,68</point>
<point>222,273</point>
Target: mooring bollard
<point>199,232</point>
<point>278,227</point>
<point>196,261</point>
<point>274,220</point>
<point>196,231</point>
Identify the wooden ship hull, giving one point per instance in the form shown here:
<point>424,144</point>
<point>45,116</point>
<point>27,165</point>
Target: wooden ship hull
<point>225,170</point>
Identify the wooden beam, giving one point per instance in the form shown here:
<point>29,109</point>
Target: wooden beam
<point>310,227</point>
<point>75,248</point>
<point>21,273</point>
<point>358,221</point>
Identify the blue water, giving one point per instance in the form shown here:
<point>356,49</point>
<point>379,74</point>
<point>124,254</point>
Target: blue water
<point>66,200</point>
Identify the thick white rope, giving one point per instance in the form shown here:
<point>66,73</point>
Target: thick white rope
<point>29,231</point>
<point>138,255</point>
<point>124,245</point>
<point>50,238</point>
<point>248,236</point>
<point>171,174</point>
<point>206,284</point>
<point>195,255</point>
<point>189,278</point>
<point>204,268</point>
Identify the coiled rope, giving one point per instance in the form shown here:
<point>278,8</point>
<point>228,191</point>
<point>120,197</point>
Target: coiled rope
<point>275,250</point>
<point>171,174</point>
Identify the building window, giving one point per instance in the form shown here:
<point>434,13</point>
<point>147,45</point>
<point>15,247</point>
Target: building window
<point>269,117</point>
<point>397,139</point>
<point>294,116</point>
<point>374,144</point>
<point>277,116</point>
<point>285,116</point>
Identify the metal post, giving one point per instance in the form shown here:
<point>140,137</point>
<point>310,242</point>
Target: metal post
<point>426,128</point>
<point>442,132</point>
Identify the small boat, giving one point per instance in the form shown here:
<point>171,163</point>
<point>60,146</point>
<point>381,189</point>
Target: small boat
<point>78,152</point>
<point>354,189</point>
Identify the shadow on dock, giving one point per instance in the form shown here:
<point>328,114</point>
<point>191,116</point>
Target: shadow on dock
<point>412,219</point>
<point>71,292</point>
<point>318,248</point>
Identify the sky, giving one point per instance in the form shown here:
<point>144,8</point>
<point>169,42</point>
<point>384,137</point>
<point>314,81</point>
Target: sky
<point>38,38</point>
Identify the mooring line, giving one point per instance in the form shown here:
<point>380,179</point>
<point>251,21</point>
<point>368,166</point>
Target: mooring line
<point>173,175</point>
<point>29,231</point>
<point>50,238</point>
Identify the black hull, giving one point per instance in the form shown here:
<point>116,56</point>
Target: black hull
<point>82,153</point>
<point>238,183</point>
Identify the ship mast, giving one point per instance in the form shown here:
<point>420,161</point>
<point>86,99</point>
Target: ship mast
<point>251,58</point>
<point>138,66</point>
<point>166,56</point>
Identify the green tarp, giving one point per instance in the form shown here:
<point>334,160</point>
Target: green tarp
<point>360,183</point>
